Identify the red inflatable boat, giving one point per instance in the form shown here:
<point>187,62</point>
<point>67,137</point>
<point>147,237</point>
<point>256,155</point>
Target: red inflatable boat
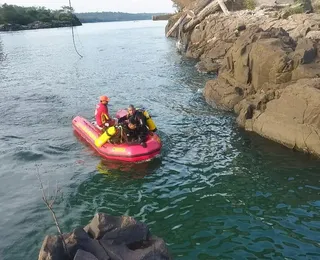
<point>120,152</point>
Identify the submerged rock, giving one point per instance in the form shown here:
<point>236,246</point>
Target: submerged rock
<point>106,238</point>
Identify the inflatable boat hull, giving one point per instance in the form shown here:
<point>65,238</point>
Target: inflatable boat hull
<point>119,152</point>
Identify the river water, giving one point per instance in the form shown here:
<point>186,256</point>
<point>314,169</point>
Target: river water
<point>216,191</point>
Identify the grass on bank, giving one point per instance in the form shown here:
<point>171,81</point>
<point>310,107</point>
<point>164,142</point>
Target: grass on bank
<point>249,4</point>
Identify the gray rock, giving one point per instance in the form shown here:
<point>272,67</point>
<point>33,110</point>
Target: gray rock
<point>108,238</point>
<point>119,229</point>
<point>207,66</point>
<point>52,249</point>
<point>153,249</point>
<point>83,255</point>
<point>305,51</point>
<point>90,245</point>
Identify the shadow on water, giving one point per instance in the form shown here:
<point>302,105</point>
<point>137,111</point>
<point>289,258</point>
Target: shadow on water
<point>261,149</point>
<point>271,176</point>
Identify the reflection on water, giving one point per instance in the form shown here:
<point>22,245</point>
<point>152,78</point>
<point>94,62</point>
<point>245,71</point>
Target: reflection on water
<point>2,55</point>
<point>116,169</point>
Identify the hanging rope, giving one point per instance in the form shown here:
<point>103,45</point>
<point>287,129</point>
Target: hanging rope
<point>74,43</point>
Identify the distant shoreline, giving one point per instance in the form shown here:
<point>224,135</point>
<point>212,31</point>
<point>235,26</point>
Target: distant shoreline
<point>119,21</point>
<point>117,17</point>
<point>18,18</point>
<point>33,26</point>
<point>124,21</point>
<point>17,27</point>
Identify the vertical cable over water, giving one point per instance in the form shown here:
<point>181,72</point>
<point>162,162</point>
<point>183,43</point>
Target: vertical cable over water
<point>74,44</point>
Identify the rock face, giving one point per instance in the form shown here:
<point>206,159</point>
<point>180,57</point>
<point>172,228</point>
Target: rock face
<point>106,238</point>
<point>268,71</point>
<point>293,119</point>
<point>273,83</point>
<point>212,38</point>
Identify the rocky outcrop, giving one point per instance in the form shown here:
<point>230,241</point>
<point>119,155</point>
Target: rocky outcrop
<point>268,71</point>
<point>212,38</point>
<point>106,238</point>
<point>273,83</point>
<point>292,119</point>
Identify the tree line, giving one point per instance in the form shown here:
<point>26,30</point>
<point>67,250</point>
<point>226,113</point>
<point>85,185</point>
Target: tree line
<point>13,14</point>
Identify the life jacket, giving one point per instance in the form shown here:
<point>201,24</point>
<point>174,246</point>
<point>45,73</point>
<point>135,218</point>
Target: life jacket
<point>102,114</point>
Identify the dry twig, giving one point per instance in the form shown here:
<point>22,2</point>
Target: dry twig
<point>49,203</point>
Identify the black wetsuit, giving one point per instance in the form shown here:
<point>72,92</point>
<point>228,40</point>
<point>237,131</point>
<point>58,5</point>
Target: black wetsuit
<point>140,133</point>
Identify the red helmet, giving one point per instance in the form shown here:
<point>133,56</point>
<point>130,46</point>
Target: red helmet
<point>104,98</point>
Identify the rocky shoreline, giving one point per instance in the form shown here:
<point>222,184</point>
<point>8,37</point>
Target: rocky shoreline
<point>106,238</point>
<point>268,66</point>
<point>36,25</point>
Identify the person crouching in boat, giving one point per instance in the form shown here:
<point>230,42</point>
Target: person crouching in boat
<point>136,133</point>
<point>128,132</point>
<point>103,119</point>
<point>136,126</point>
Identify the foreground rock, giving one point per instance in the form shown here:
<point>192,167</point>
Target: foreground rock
<point>106,238</point>
<point>268,71</point>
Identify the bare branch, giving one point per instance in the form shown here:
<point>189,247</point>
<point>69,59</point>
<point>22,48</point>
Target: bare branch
<point>49,206</point>
<point>55,195</point>
<point>48,191</point>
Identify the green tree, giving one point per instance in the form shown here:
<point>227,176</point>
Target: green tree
<point>67,8</point>
<point>24,15</point>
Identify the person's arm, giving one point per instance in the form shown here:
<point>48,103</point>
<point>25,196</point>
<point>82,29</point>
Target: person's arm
<point>106,112</point>
<point>98,116</point>
<point>122,119</point>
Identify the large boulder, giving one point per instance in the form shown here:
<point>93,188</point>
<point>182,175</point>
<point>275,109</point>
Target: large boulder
<point>154,248</point>
<point>294,119</point>
<point>106,238</point>
<point>246,61</point>
<point>83,255</point>
<point>220,93</point>
<point>122,229</point>
<point>245,69</point>
<point>52,249</point>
